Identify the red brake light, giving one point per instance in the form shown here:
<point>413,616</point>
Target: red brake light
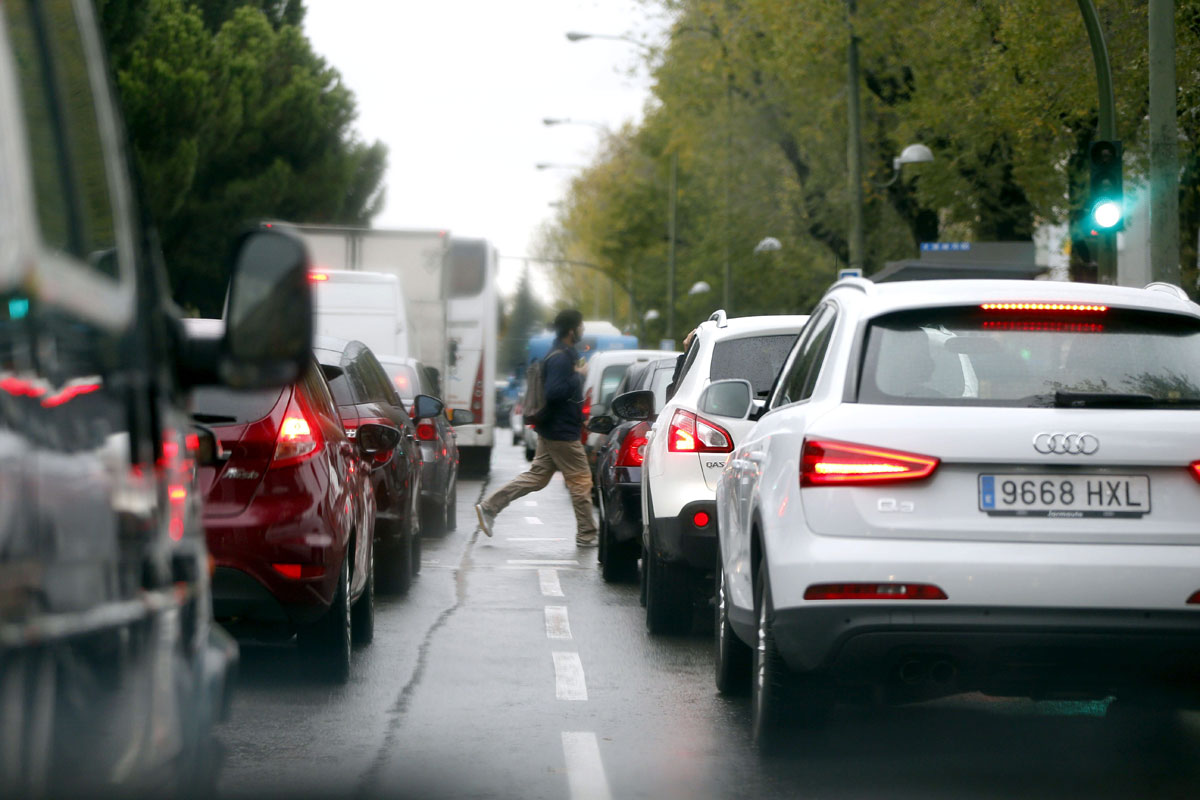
<point>587,412</point>
<point>826,463</point>
<point>701,519</point>
<point>874,591</point>
<point>691,434</point>
<point>1194,468</point>
<point>633,448</point>
<point>316,277</point>
<point>298,571</point>
<point>426,432</point>
<point>297,440</point>
<point>1069,307</point>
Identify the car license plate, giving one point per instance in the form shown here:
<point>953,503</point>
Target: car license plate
<point>1064,496</point>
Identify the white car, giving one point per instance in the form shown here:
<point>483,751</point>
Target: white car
<point>968,486</point>
<point>730,364</point>
<point>605,370</point>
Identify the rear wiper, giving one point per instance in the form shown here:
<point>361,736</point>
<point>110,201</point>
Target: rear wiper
<point>1064,399</point>
<point>213,418</point>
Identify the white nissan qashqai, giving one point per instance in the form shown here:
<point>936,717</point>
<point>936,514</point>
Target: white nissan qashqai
<point>727,371</point>
<point>969,486</point>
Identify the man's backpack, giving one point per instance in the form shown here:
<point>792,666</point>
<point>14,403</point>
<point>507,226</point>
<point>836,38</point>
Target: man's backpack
<point>533,403</point>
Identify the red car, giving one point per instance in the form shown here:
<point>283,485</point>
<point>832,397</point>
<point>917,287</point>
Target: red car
<point>288,514</point>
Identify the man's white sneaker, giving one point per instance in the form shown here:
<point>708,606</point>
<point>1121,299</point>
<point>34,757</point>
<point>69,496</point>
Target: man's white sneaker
<point>485,519</point>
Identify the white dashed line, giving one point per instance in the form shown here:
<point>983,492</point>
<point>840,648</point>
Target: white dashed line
<point>545,562</point>
<point>532,521</point>
<point>568,677</point>
<point>585,770</point>
<point>557,624</point>
<point>548,580</point>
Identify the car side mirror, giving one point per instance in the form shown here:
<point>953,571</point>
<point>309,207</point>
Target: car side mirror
<point>461,416</point>
<point>373,439</point>
<point>426,407</point>
<point>637,405</point>
<point>728,398</point>
<point>268,314</point>
<point>601,425</point>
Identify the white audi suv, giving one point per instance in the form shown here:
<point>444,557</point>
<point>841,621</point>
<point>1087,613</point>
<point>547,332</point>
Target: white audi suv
<point>727,371</point>
<point>969,486</point>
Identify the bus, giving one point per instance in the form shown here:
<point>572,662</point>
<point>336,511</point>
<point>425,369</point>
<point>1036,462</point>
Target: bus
<point>598,336</point>
<point>472,340</point>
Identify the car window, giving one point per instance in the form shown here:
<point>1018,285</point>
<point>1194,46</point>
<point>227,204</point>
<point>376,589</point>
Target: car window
<point>341,384</point>
<point>757,359</point>
<point>798,383</point>
<point>609,378</point>
<point>316,390</point>
<point>218,406</point>
<point>404,378</point>
<point>659,382</point>
<point>968,356</point>
<point>377,381</point>
<point>72,185</point>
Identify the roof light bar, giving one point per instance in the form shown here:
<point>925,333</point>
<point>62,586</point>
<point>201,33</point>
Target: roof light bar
<point>1085,308</point>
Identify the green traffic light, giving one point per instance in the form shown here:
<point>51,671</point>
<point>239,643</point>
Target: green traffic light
<point>1107,214</point>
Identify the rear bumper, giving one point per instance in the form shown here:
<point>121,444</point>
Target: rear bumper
<point>1003,650</point>
<point>678,539</point>
<point>239,598</point>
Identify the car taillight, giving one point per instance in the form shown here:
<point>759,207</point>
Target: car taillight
<point>826,463</point>
<point>874,591</point>
<point>691,434</point>
<point>426,432</point>
<point>587,411</point>
<point>298,439</point>
<point>1071,308</point>
<point>1194,468</point>
<point>298,571</point>
<point>633,447</point>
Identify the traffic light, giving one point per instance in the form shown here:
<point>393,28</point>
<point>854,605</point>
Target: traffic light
<point>1106,204</point>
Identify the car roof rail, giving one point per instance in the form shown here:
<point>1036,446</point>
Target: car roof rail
<point>719,317</point>
<point>1168,288</point>
<point>864,285</point>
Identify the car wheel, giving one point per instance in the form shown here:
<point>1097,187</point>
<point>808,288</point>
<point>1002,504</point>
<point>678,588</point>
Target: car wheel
<point>779,698</point>
<point>668,598</point>
<point>397,555</point>
<point>642,577</point>
<point>414,544</point>
<point>362,617</point>
<point>329,638</point>
<point>733,656</point>
<point>452,507</point>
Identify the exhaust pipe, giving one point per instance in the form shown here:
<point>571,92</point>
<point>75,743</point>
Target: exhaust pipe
<point>943,672</point>
<point>912,671</point>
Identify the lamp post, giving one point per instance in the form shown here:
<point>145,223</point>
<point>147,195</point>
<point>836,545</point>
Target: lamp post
<point>544,165</point>
<point>551,121</point>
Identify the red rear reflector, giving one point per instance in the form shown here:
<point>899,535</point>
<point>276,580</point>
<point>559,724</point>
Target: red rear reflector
<point>298,571</point>
<point>1069,307</point>
<point>317,276</point>
<point>874,591</point>
<point>700,519</point>
<point>1194,599</point>
<point>829,463</point>
<point>426,432</point>
<point>1194,468</point>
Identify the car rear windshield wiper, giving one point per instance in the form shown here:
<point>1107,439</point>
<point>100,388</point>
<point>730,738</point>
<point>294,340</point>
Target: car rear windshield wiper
<point>1064,399</point>
<point>213,418</point>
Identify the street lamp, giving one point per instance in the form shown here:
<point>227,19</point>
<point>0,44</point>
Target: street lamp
<point>548,165</point>
<point>699,287</point>
<point>651,315</point>
<point>768,245</point>
<point>577,36</point>
<point>549,121</point>
<point>913,154</point>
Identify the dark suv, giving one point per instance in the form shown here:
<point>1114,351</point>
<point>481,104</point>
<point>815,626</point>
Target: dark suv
<point>364,394</point>
<point>113,670</point>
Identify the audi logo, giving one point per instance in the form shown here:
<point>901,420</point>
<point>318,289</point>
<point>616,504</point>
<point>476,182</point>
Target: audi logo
<point>1066,444</point>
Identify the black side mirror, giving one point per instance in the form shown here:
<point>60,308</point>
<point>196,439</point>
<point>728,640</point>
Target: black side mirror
<point>602,425</point>
<point>426,407</point>
<point>373,439</point>
<point>637,405</point>
<point>269,312</point>
<point>729,398</point>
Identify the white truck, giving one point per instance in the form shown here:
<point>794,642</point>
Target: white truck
<point>449,289</point>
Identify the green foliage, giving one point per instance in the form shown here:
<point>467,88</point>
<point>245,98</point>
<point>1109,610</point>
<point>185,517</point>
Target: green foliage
<point>526,318</point>
<point>234,119</point>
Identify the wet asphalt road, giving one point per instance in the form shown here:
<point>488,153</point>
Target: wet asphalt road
<point>511,670</point>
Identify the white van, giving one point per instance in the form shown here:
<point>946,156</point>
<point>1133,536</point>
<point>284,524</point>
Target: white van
<point>364,306</point>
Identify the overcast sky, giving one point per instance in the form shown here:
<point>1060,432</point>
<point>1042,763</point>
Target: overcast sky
<point>457,89</point>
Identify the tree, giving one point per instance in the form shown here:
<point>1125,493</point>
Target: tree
<point>526,318</point>
<point>234,119</point>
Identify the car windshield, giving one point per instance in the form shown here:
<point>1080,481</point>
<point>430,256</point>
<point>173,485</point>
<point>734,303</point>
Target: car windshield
<point>757,359</point>
<point>974,357</point>
<point>225,406</point>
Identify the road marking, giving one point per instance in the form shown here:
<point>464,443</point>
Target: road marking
<point>568,677</point>
<point>557,624</point>
<point>531,503</point>
<point>532,521</point>
<point>548,579</point>
<point>585,770</point>
<point>535,538</point>
<point>545,562</point>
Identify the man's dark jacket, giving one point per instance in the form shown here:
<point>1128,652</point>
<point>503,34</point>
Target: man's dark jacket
<point>562,419</point>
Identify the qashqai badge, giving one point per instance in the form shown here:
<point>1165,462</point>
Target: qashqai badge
<point>1066,444</point>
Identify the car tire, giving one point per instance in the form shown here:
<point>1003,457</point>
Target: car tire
<point>362,616</point>
<point>396,552</point>
<point>329,638</point>
<point>433,517</point>
<point>733,657</point>
<point>414,544</point>
<point>668,594</point>
<point>779,699</point>
<point>642,577</point>
<point>452,507</point>
<point>618,559</point>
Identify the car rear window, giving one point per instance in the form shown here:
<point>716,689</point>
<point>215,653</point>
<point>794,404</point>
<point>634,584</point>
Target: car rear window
<point>217,406</point>
<point>969,356</point>
<point>659,383</point>
<point>405,379</point>
<point>609,380</point>
<point>757,359</point>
